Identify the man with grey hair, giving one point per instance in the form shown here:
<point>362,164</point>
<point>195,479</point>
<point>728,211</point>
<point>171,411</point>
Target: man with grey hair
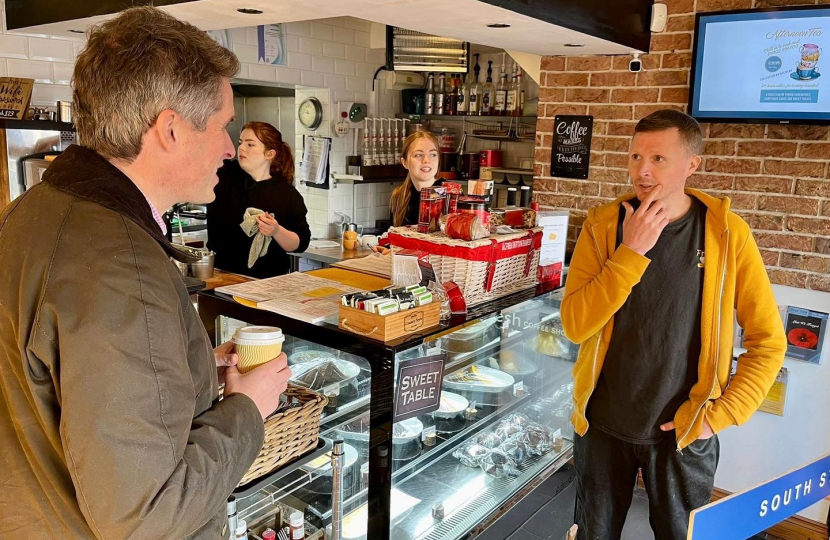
<point>110,424</point>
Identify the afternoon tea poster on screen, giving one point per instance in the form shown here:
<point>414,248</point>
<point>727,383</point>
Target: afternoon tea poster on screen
<point>768,65</point>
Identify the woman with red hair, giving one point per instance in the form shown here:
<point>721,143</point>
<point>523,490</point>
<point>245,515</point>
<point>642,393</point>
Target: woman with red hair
<point>263,178</point>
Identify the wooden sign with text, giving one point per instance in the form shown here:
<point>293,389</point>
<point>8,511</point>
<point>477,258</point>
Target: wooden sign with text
<point>15,95</point>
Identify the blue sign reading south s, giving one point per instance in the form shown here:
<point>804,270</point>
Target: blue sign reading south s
<point>748,513</point>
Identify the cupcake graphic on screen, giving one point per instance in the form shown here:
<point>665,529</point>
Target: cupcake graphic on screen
<point>807,67</point>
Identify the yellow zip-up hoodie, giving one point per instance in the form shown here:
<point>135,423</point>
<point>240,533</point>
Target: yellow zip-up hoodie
<point>601,277</point>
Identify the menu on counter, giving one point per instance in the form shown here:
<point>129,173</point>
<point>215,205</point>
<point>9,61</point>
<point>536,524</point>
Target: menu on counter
<point>374,264</point>
<point>296,295</point>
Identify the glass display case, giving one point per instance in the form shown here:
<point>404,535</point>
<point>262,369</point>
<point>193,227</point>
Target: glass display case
<point>501,419</point>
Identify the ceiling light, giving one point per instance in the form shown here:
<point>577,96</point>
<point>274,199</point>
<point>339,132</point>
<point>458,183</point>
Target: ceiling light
<point>250,11</point>
<point>498,25</point>
<point>574,44</point>
<point>77,31</point>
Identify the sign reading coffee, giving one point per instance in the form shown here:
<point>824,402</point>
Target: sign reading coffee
<point>418,390</point>
<point>571,153</point>
<point>14,97</point>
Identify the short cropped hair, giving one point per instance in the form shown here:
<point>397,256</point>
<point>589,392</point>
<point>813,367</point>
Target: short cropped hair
<point>137,65</point>
<point>690,132</point>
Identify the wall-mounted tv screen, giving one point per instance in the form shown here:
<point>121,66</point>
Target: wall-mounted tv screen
<point>762,66</point>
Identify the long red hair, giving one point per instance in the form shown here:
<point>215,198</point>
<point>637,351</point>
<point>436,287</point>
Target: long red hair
<point>403,193</point>
<point>283,163</point>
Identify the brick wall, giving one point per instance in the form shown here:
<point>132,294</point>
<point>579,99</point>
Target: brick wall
<point>777,176</point>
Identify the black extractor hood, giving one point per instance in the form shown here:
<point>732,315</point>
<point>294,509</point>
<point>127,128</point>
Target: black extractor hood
<point>621,22</point>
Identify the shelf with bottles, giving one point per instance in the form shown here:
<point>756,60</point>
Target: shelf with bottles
<point>450,95</point>
<point>414,118</point>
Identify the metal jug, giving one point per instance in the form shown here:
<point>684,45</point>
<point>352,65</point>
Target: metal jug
<point>351,227</point>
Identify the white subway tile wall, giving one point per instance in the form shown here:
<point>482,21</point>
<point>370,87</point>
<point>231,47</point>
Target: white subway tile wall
<point>330,58</point>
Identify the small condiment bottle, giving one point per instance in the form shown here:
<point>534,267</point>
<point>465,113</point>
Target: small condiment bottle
<point>269,534</point>
<point>297,523</point>
<point>241,530</point>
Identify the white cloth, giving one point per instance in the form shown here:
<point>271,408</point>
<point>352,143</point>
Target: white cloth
<point>261,242</point>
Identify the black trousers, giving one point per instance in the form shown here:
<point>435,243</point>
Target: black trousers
<point>606,473</point>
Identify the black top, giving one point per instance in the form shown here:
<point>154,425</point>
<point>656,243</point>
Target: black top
<point>237,191</point>
<point>652,360</point>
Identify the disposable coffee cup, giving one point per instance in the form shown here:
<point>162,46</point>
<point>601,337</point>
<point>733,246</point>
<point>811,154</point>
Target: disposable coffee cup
<point>257,345</point>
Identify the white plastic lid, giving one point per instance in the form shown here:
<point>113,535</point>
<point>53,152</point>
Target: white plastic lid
<point>258,334</point>
<point>296,518</point>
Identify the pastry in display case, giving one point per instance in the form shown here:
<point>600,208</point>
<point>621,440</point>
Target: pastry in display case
<point>522,402</point>
<point>499,421</point>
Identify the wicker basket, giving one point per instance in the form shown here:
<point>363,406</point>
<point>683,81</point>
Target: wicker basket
<point>289,434</point>
<point>485,269</point>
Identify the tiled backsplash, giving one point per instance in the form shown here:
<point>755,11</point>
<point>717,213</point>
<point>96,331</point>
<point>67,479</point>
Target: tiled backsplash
<point>328,58</point>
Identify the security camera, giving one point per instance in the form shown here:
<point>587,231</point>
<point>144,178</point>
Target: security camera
<point>636,65</point>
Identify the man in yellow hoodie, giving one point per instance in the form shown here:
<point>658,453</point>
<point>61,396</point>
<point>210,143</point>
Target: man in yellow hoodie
<point>651,291</point>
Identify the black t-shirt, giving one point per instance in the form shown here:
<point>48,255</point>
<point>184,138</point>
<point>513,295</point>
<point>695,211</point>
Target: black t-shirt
<point>652,360</point>
<point>238,191</point>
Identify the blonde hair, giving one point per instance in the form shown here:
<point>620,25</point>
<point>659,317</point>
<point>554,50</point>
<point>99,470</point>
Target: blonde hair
<point>403,193</point>
<point>137,65</point>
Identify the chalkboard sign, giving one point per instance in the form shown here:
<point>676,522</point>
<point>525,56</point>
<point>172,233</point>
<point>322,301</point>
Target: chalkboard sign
<point>571,153</point>
<point>14,97</point>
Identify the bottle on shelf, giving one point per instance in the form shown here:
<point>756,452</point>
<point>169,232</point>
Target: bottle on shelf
<point>367,155</point>
<point>525,196</point>
<point>451,97</point>
<point>501,91</point>
<point>520,96</point>
<point>474,105</point>
<point>513,95</point>
<point>296,521</point>
<point>440,96</point>
<point>464,96</point>
<point>511,196</point>
<point>382,143</point>
<point>488,93</point>
<point>241,532</point>
<point>429,106</point>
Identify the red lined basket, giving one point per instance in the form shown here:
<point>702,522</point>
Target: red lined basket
<point>484,269</point>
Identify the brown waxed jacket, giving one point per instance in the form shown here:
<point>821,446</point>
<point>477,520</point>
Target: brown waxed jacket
<point>110,426</point>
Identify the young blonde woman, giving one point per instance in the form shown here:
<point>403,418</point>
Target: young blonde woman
<point>262,177</point>
<point>421,153</point>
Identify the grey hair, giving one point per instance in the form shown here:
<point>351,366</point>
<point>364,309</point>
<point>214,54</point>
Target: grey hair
<point>137,65</point>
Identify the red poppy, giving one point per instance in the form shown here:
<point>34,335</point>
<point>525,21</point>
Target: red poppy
<point>803,338</point>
